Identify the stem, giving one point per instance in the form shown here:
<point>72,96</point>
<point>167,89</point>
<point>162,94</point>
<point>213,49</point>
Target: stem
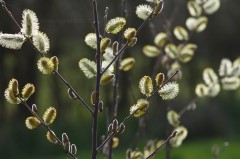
<point>46,127</point>
<point>164,143</point>
<point>56,72</point>
<point>9,13</point>
<point>97,88</point>
<point>114,110</point>
<point>72,89</point>
<point>188,107</point>
<point>126,44</point>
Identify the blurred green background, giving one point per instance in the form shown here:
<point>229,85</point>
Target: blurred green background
<point>66,23</point>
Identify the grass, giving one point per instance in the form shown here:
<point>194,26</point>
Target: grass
<point>197,149</point>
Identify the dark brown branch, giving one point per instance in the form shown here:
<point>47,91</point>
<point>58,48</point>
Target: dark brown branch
<point>97,88</point>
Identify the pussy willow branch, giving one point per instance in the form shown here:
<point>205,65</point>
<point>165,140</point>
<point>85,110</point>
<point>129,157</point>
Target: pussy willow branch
<point>56,72</point>
<point>129,116</point>
<point>114,109</point>
<point>126,44</point>
<point>164,143</point>
<point>46,127</point>
<point>113,134</point>
<point>140,125</point>
<point>169,79</point>
<point>97,88</point>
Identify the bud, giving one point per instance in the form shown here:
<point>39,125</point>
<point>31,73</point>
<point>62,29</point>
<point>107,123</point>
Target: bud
<point>160,77</point>
<point>158,8</point>
<point>137,155</point>
<point>73,149</point>
<point>194,9</point>
<point>161,39</point>
<point>45,65</point>
<point>51,138</point>
<point>88,67</point>
<point>13,85</point>
<point>100,106</point>
<point>115,25</point>
<point>104,44</point>
<point>32,122</point>
<point>169,91</point>
<point>172,51</point>
<point>41,42</point>
<point>67,147</point>
<point>230,83</point>
<point>128,154</point>
<point>121,128</point>
<point>71,94</point>
<point>143,11</point>
<point>197,24</point>
<point>30,24</point>
<point>115,48</point>
<point>127,63</point>
<point>132,42</point>
<point>55,62</point>
<point>49,115</point>
<point>106,78</point>
<point>210,77</point>
<point>65,138</point>
<point>181,33</point>
<point>91,40</point>
<point>173,118</point>
<point>110,128</point>
<point>146,86</point>
<point>140,108</point>
<point>178,135</point>
<point>151,51</point>
<point>130,33</point>
<point>115,142</point>
<point>27,91</point>
<point>12,41</point>
<point>225,68</point>
<point>10,97</point>
<point>201,90</point>
<point>34,108</point>
<point>186,52</point>
<point>211,6</point>
<point>115,125</point>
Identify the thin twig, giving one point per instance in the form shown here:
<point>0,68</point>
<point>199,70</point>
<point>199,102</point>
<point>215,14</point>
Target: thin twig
<point>113,134</point>
<point>46,127</point>
<point>164,143</point>
<point>72,89</point>
<point>9,13</point>
<point>57,73</point>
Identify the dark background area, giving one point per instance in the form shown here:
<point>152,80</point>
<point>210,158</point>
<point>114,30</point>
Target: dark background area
<point>66,23</point>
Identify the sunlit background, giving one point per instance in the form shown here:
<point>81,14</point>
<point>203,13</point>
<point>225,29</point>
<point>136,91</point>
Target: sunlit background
<point>66,23</point>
